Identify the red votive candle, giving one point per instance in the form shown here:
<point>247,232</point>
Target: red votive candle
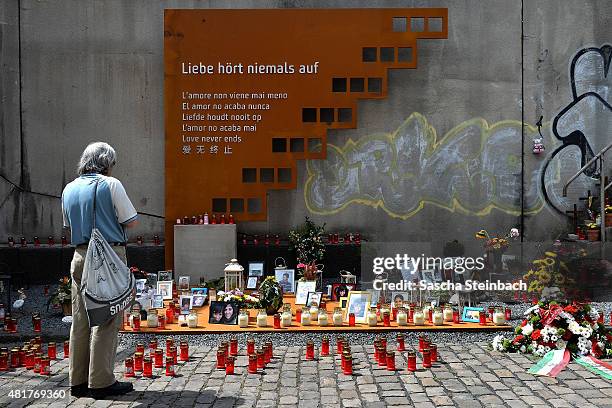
<point>66,349</point>
<point>23,241</point>
<point>345,354</point>
<point>277,321</point>
<point>138,360</point>
<point>376,348</point>
<point>233,346</point>
<point>421,343</point>
<point>401,342</point>
<point>159,358</point>
<point>339,341</point>
<point>491,311</point>
<point>15,357</point>
<point>382,357</point>
<point>129,367</point>
<point>426,358</point>
<point>269,351</point>
<point>508,314</point>
<point>147,368</point>
<point>153,345</point>
<point>599,320</point>
<point>169,344</point>
<point>261,359</point>
<point>64,241</point>
<point>11,324</point>
<point>455,316</point>
<point>37,357</point>
<point>252,364</point>
<point>22,359</point>
<point>52,351</point>
<point>386,319</point>
<point>161,322</point>
<point>430,315</point>
<point>220,359</point>
<point>45,366</point>
<point>136,323</point>
<point>140,348</point>
<point>170,314</point>
<point>184,351</point>
<point>351,319</point>
<point>3,362</point>
<point>390,361</point>
<point>433,351</point>
<point>29,360</point>
<point>482,318</point>
<point>383,342</point>
<point>173,353</point>
<point>229,366</point>
<point>325,346</point>
<point>348,366</point>
<point>394,316</point>
<point>169,367</point>
<point>298,315</point>
<point>50,240</point>
<point>36,241</point>
<point>309,350</point>
<point>250,346</point>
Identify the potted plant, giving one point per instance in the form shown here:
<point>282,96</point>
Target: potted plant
<point>307,241</point>
<point>270,295</point>
<point>63,296</point>
<point>592,231</point>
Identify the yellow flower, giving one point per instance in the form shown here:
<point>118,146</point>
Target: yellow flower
<point>550,254</point>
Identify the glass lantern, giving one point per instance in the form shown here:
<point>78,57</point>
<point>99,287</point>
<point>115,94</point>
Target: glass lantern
<point>233,275</point>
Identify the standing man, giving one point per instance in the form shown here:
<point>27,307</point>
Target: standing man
<point>93,350</point>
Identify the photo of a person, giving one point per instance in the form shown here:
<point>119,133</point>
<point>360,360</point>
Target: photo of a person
<point>198,300</point>
<point>301,293</point>
<point>158,302</point>
<point>340,290</point>
<point>164,288</point>
<point>140,286</point>
<point>223,313</point>
<point>285,278</point>
<point>216,312</point>
<point>183,283</point>
<point>398,299</point>
<point>230,314</point>
<point>358,304</point>
<point>164,275</point>
<point>186,304</point>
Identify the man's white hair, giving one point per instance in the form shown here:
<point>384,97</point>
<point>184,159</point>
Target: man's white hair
<point>97,157</point>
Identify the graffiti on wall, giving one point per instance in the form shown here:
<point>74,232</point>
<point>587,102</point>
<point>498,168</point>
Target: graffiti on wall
<point>476,166</point>
<point>583,126</point>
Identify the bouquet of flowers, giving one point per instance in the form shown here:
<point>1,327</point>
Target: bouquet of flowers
<point>63,295</point>
<point>307,241</point>
<point>549,326</point>
<point>270,295</point>
<point>243,300</point>
<point>497,243</point>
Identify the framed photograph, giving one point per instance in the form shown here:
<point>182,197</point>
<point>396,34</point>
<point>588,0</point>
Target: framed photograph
<point>285,278</point>
<point>164,288</point>
<point>398,299</point>
<point>212,294</point>
<point>165,275</point>
<point>152,280</point>
<point>223,313</point>
<point>343,302</point>
<point>301,292</point>
<point>199,291</point>
<point>358,303</point>
<point>427,275</point>
<point>375,297</point>
<point>141,286</point>
<point>471,314</point>
<point>252,282</point>
<point>183,283</point>
<point>256,268</point>
<point>198,300</point>
<point>158,302</point>
<point>186,302</point>
<point>313,298</point>
<point>341,290</point>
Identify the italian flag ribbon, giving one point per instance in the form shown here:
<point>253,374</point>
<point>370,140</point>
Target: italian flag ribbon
<point>596,366</point>
<point>552,363</point>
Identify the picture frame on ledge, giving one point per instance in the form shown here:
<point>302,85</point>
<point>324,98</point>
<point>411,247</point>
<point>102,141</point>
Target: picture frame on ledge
<point>165,275</point>
<point>313,298</point>
<point>358,303</point>
<point>157,302</point>
<point>198,300</point>
<point>256,268</point>
<point>183,283</point>
<point>343,301</point>
<point>223,313</point>
<point>186,303</point>
<point>252,282</point>
<point>164,288</point>
<point>286,279</point>
<point>340,290</point>
<point>471,314</point>
<point>302,289</point>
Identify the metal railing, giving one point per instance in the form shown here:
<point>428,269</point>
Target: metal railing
<point>602,187</point>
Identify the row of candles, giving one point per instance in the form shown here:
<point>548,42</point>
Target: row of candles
<point>64,241</point>
<point>267,239</point>
<point>144,364</point>
<point>204,219</point>
<point>31,356</point>
<point>10,323</point>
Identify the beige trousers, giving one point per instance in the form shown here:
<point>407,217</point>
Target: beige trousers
<point>92,350</point>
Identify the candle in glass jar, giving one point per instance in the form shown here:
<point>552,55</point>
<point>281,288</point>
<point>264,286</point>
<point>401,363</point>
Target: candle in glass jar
<point>37,323</point>
<point>129,367</point>
<point>138,360</point>
<point>170,314</point>
<point>262,318</point>
<point>351,319</point>
<point>184,351</point>
<point>45,366</point>
<point>270,351</point>
<point>136,322</point>
<point>411,364</point>
<point>250,346</point>
<point>426,358</point>
<point>66,349</point>
<point>390,361</point>
<point>147,367</point>
<point>159,358</point>
<point>305,317</point>
<point>402,317</point>
<point>229,366</point>
<point>437,317</point>
<point>152,320</point>
<point>243,319</point>
<point>448,313</point>
<point>169,367</point>
<point>52,351</point>
<point>15,357</point>
<point>261,359</point>
<point>298,315</point>
<point>220,359</point>
<point>192,320</point>
<point>339,344</point>
<point>401,342</point>
<point>4,362</point>
<point>508,313</point>
<point>29,360</point>
<point>314,310</point>
<point>252,363</point>
<point>499,317</point>
<point>382,356</point>
<point>456,316</point>
<point>277,320</point>
<point>169,344</point>
<point>482,318</point>
<point>386,319</point>
<point>348,366</point>
<point>418,317</point>
<point>372,319</point>
<point>233,346</point>
<point>323,318</point>
<point>433,352</point>
<point>325,346</point>
<point>309,350</point>
<point>286,319</point>
<point>337,317</point>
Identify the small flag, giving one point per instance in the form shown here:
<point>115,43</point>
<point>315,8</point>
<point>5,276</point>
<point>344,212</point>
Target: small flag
<point>596,366</point>
<point>552,363</point>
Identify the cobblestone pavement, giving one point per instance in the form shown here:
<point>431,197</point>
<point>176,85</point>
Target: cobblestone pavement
<point>466,376</point>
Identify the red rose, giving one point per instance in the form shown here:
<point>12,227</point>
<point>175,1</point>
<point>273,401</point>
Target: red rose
<point>524,323</point>
<point>518,339</point>
<point>535,335</point>
<point>570,309</point>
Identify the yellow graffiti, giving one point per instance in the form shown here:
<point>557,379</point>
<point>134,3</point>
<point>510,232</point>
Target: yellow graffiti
<point>433,145</point>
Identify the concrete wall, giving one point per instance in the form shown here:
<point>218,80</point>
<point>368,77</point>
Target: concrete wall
<point>93,70</point>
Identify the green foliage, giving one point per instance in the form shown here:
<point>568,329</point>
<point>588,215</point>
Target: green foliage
<point>307,241</point>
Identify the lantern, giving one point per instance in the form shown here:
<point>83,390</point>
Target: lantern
<point>233,275</point>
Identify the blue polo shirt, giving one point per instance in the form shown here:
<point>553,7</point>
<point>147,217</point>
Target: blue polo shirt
<point>113,208</point>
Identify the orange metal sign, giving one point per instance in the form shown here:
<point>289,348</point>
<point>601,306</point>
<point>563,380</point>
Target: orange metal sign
<point>249,92</point>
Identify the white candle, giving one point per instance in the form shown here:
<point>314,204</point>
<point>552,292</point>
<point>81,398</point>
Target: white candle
<point>243,319</point>
<point>305,317</point>
<point>337,317</point>
<point>438,317</point>
<point>314,310</point>
<point>372,319</point>
<point>262,319</point>
<point>192,320</point>
<point>323,319</point>
<point>286,319</point>
<point>419,318</point>
<point>152,320</point>
<point>499,317</point>
<point>448,314</point>
<point>402,318</point>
